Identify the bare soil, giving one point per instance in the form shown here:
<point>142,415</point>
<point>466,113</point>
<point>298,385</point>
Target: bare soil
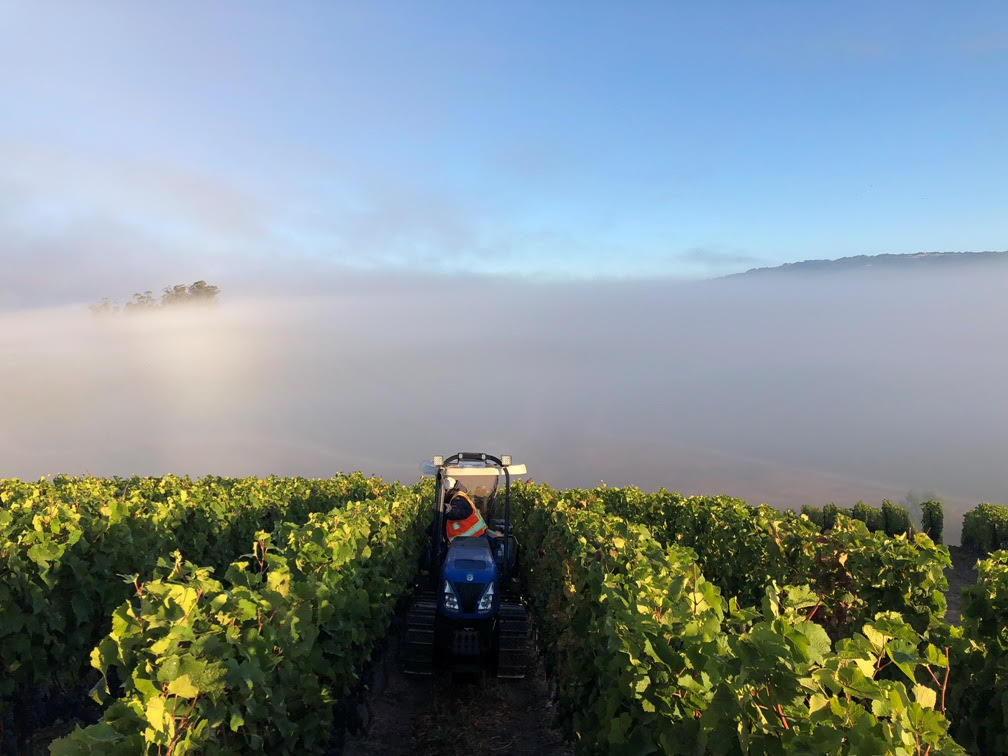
<point>451,715</point>
<point>959,575</point>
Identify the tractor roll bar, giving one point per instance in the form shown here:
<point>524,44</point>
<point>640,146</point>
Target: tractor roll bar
<point>473,457</point>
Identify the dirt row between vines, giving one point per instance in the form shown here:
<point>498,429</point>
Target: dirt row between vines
<point>454,716</point>
<point>961,574</point>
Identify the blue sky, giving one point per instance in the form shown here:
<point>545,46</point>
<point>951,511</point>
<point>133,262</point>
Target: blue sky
<point>558,140</point>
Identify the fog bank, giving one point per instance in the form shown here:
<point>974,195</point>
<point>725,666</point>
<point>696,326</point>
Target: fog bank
<point>784,391</point>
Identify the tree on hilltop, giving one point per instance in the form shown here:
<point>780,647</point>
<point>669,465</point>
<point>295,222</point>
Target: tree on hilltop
<point>200,292</point>
<point>143,301</point>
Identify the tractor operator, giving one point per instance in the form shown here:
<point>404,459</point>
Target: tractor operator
<point>462,516</point>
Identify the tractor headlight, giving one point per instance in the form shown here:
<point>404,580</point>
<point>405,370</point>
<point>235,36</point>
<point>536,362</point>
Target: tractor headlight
<point>486,600</point>
<point>450,599</point>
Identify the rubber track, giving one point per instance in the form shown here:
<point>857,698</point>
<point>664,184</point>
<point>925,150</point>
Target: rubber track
<point>512,655</point>
<point>417,651</point>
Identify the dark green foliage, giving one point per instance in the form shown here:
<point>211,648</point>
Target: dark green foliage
<point>985,528</point>
<point>914,501</point>
<point>862,512</point>
<point>897,519</point>
<point>872,517</point>
<point>932,520</point>
<point>829,514</point>
<point>815,515</point>
<point>876,520</point>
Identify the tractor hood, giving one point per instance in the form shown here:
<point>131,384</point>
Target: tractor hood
<point>471,554</point>
<point>470,572</point>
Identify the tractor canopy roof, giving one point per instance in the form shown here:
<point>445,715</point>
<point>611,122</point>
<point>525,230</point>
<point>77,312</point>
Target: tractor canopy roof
<point>472,469</point>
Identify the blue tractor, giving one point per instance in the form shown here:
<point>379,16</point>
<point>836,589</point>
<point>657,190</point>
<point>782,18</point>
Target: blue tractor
<point>466,612</point>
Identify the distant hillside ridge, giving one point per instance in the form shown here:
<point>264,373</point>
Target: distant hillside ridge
<point>922,261</point>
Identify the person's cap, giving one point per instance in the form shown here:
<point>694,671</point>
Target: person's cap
<point>449,482</point>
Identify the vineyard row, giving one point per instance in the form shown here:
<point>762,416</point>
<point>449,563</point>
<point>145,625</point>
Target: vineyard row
<point>234,615</point>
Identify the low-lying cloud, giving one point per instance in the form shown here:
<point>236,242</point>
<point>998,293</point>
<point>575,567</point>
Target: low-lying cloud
<point>790,392</point>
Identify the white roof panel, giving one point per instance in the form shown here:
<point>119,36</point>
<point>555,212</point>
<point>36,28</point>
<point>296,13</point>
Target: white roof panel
<point>456,471</point>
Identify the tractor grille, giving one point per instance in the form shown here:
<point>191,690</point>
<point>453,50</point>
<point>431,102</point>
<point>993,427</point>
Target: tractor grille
<point>469,595</point>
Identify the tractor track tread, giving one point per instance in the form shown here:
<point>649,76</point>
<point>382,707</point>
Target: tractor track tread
<point>417,651</point>
<point>513,640</point>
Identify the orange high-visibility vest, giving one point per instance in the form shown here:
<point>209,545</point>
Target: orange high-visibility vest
<point>472,525</point>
